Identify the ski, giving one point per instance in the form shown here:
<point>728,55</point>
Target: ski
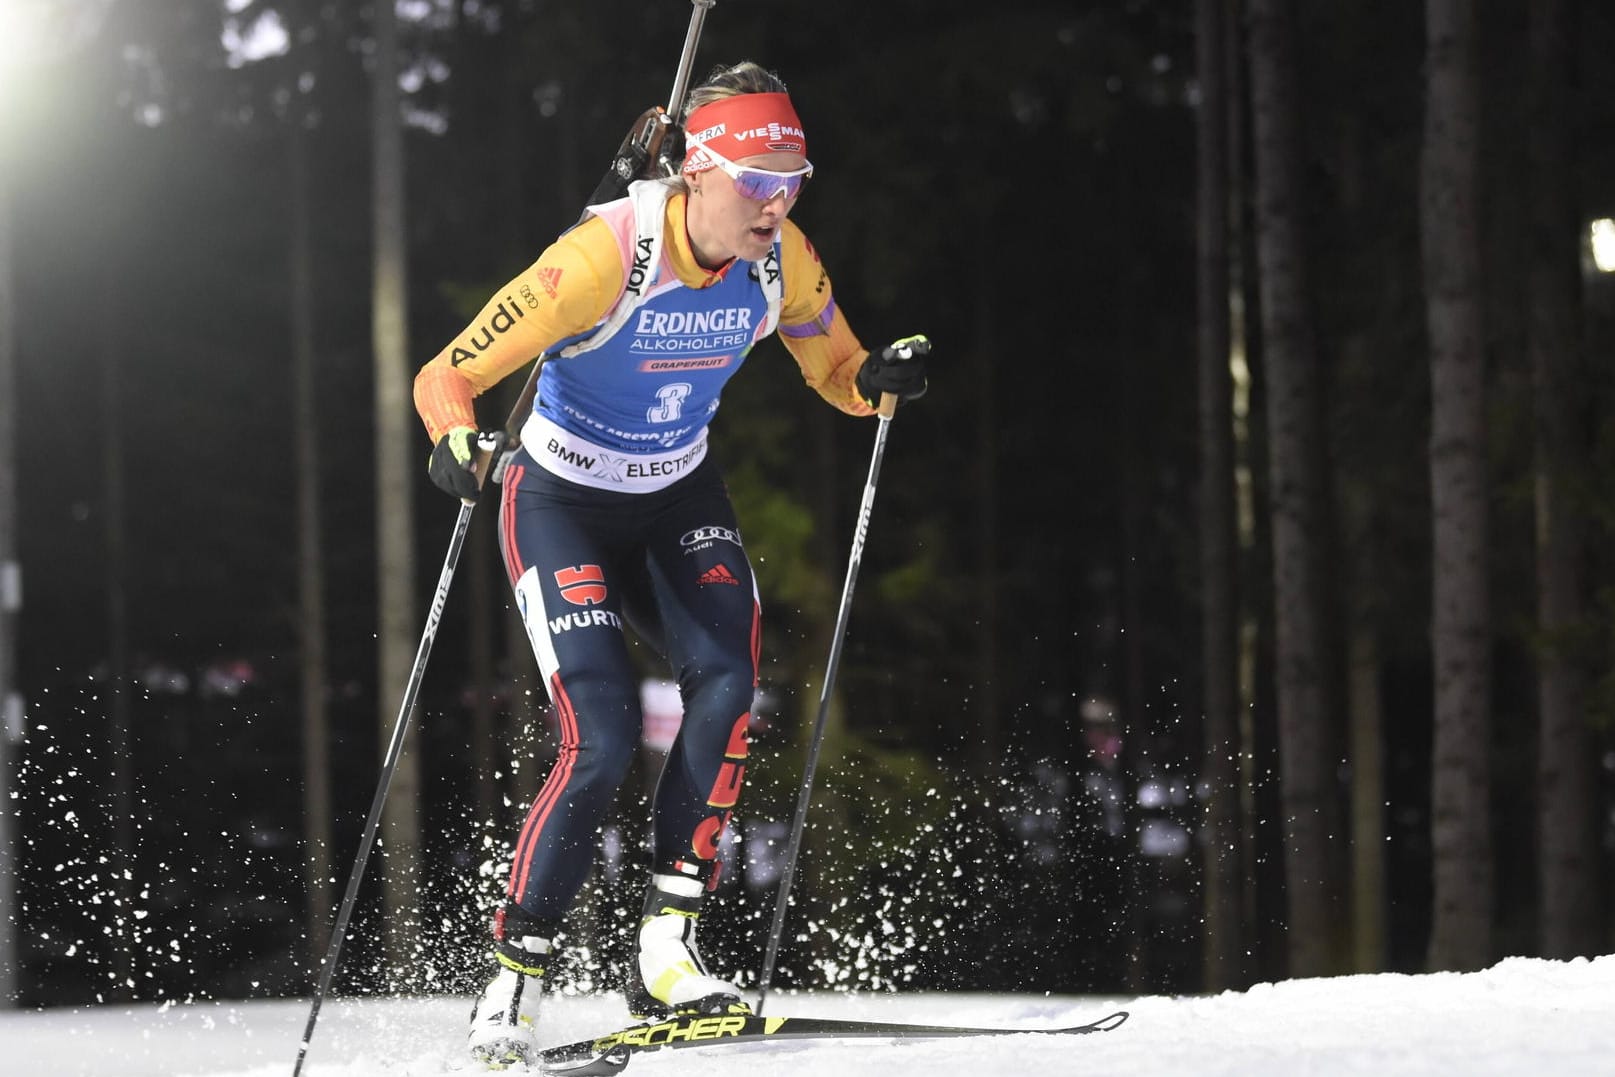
<point>610,1053</point>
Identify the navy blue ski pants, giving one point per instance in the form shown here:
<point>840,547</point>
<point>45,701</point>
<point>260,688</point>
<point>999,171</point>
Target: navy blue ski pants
<point>670,565</point>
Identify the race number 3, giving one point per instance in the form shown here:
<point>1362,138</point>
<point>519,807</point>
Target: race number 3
<point>671,408</point>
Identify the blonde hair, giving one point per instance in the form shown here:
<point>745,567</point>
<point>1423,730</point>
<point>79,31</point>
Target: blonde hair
<point>744,77</point>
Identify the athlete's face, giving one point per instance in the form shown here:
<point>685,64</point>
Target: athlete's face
<point>725,224</point>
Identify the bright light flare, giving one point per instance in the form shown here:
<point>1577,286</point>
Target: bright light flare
<point>245,42</point>
<point>35,35</point>
<point>23,36</point>
<point>1601,235</point>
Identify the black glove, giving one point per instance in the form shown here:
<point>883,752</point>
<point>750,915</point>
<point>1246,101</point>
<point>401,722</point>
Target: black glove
<point>453,462</point>
<point>898,369</point>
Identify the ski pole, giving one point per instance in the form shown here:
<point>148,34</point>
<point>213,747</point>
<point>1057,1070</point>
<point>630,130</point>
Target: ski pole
<point>888,407</point>
<point>488,447</point>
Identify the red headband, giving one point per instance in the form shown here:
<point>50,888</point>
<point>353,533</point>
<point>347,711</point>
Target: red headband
<point>741,126</point>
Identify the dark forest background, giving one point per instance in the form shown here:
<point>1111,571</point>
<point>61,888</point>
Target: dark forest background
<point>1038,730</point>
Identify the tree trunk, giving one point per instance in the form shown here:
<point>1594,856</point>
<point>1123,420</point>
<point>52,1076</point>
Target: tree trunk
<point>1358,508</point>
<point>1224,942</point>
<point>310,560</point>
<point>1365,704</point>
<point>123,935</point>
<point>1567,812</point>
<point>1260,872</point>
<point>986,739</point>
<point>1365,722</point>
<point>1295,461</point>
<point>395,455</point>
<point>10,610</point>
<point>1461,848</point>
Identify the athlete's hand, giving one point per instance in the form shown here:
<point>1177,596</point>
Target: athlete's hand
<point>898,368</point>
<point>454,461</point>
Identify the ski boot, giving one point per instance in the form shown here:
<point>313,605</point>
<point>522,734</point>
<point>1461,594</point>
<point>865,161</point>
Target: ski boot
<point>504,1020</point>
<point>672,980</point>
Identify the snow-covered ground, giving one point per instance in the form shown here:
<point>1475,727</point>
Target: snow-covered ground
<point>1521,1017</point>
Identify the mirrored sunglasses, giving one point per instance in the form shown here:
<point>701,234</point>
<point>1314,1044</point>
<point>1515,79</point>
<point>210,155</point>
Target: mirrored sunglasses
<point>759,184</point>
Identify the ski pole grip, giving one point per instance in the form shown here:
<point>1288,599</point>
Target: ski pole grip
<point>490,456</point>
